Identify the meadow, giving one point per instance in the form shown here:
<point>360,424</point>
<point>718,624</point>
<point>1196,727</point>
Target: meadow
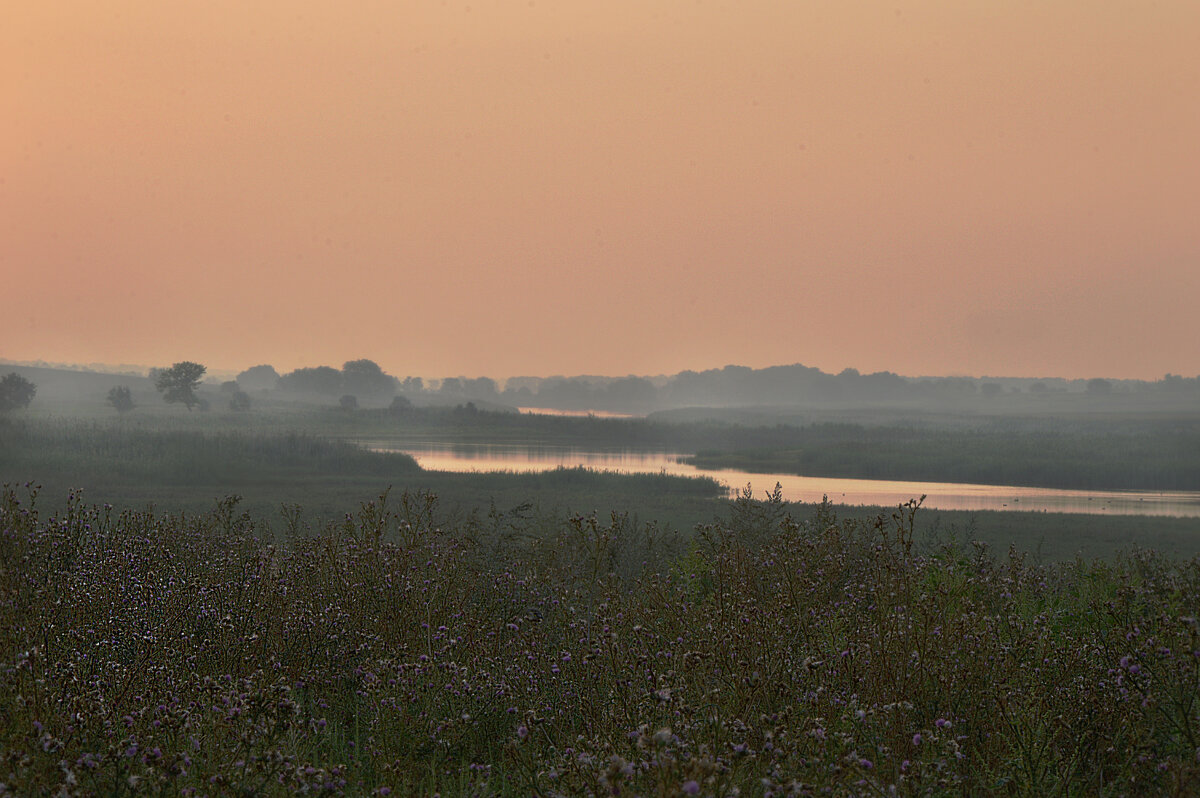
<point>168,654</point>
<point>235,607</point>
<point>287,479</point>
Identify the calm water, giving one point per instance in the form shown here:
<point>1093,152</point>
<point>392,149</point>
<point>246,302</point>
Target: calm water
<point>549,411</point>
<point>939,495</point>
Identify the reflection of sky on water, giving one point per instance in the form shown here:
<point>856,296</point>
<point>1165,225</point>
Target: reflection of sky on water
<point>939,495</point>
<point>549,411</point>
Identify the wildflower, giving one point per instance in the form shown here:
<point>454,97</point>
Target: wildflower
<point>691,787</point>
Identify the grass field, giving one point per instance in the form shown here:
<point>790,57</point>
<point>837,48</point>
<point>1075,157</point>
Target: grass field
<point>242,608</point>
<point>386,655</point>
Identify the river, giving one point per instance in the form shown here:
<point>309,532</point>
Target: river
<point>874,492</point>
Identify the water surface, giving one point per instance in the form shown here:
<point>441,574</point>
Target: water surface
<point>874,492</point>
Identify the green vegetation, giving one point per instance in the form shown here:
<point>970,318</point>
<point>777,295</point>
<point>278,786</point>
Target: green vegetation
<point>164,654</point>
<point>179,383</point>
<point>1151,456</point>
<point>1113,449</point>
<point>121,399</point>
<point>183,467</point>
<point>187,464</point>
<point>1161,453</point>
<point>15,392</point>
<point>573,632</point>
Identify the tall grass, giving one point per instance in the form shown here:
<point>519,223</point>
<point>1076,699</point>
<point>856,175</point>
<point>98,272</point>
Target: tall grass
<point>183,456</point>
<point>184,655</point>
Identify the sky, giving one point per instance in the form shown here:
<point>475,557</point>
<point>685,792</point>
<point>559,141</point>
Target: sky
<point>1006,188</point>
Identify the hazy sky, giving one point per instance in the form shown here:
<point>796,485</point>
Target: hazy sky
<point>537,187</point>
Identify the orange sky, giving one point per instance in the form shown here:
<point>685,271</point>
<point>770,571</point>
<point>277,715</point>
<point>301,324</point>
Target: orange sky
<point>537,187</point>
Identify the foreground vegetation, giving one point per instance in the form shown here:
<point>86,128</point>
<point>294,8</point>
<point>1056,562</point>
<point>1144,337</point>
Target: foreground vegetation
<point>185,655</point>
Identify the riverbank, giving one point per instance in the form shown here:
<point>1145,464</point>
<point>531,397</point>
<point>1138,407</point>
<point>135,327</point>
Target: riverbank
<point>1147,453</point>
<point>319,481</point>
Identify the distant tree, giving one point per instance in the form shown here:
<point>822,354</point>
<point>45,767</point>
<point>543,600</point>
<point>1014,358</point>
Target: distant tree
<point>480,388</point>
<point>349,402</point>
<point>1039,388</point>
<point>15,392</point>
<point>1099,387</point>
<point>322,379</point>
<point>451,385</point>
<point>179,383</point>
<point>121,398</point>
<point>991,389</point>
<point>573,394</point>
<point>400,404</point>
<point>229,386</point>
<point>521,396</point>
<point>365,378</point>
<point>629,393</point>
<point>412,385</point>
<point>1175,383</point>
<point>258,378</point>
<point>239,401</point>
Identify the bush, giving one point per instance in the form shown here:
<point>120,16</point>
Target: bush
<point>15,392</point>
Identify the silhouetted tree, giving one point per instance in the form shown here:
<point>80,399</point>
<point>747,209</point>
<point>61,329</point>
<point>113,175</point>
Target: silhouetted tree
<point>480,388</point>
<point>15,392</point>
<point>365,378</point>
<point>121,398</point>
<point>258,378</point>
<point>322,379</point>
<point>179,383</point>
<point>1098,386</point>
<point>349,402</point>
<point>400,404</point>
<point>630,393</point>
<point>239,401</point>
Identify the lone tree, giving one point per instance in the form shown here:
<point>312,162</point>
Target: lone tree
<point>179,383</point>
<point>15,391</point>
<point>239,401</point>
<point>120,398</point>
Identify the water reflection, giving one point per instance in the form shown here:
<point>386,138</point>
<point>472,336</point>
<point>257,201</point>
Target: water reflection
<point>550,411</point>
<point>939,495</point>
